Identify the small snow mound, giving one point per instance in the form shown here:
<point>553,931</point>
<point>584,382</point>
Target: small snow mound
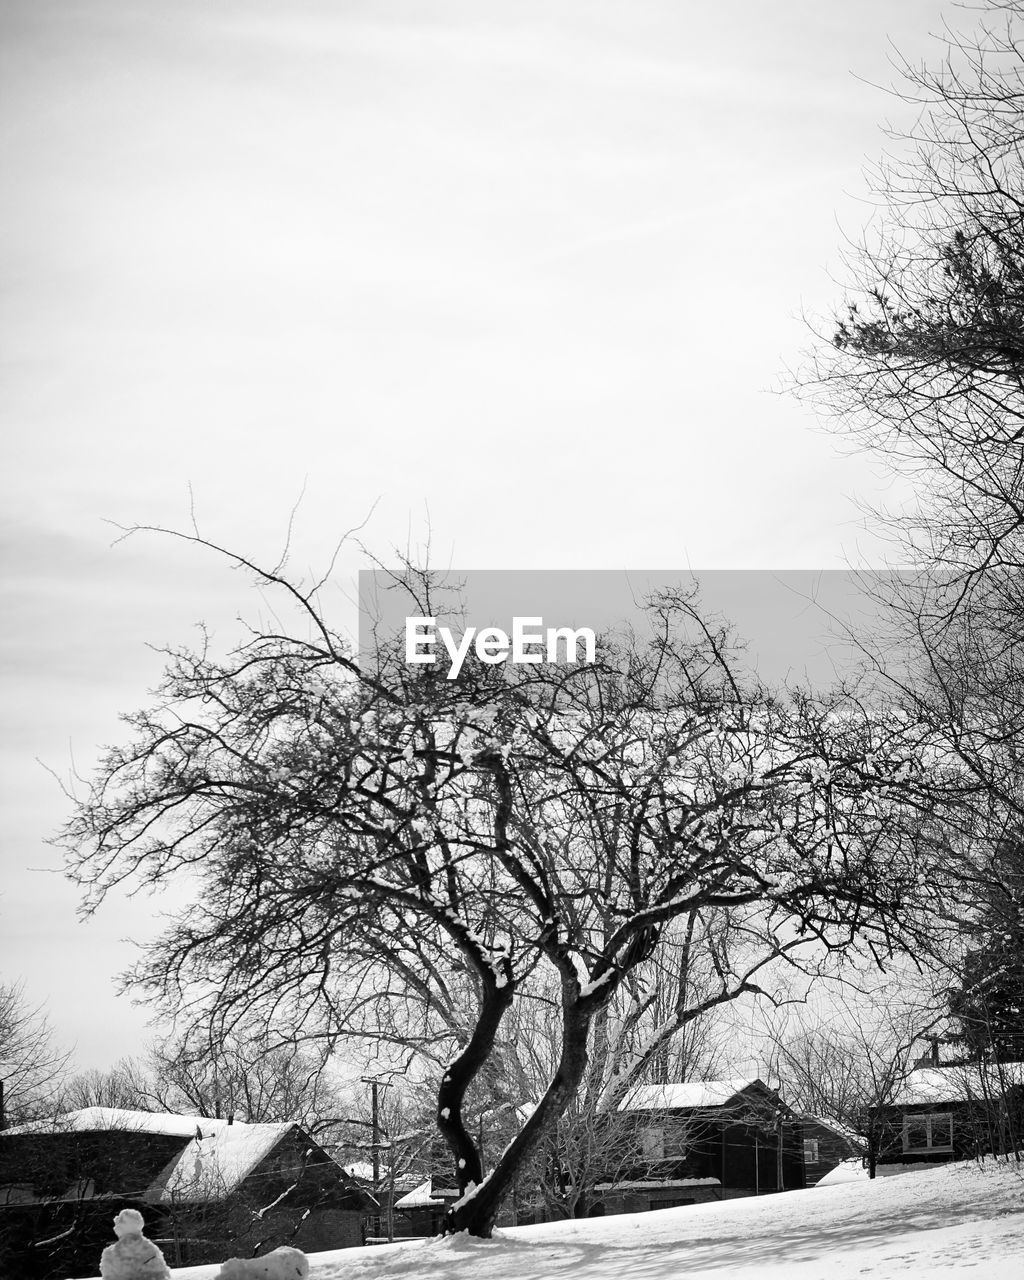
<point>462,1242</point>
<point>282,1264</point>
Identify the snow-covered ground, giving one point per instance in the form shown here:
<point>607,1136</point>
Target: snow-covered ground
<point>942,1222</point>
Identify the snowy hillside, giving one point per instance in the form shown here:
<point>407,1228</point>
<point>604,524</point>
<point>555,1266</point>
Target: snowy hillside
<point>944,1222</point>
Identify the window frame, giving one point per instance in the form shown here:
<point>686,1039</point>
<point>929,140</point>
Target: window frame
<point>930,1120</point>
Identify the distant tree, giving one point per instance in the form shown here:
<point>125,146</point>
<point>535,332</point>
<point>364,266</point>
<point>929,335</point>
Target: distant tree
<point>31,1066</point>
<point>126,1085</point>
<point>252,1078</point>
<point>924,362</point>
<point>255,1077</point>
<point>848,1063</point>
<point>987,1004</point>
<point>390,1142</point>
<point>369,838</point>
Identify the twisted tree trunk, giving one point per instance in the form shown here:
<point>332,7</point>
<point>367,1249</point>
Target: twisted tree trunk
<point>477,1208</point>
<point>498,991</point>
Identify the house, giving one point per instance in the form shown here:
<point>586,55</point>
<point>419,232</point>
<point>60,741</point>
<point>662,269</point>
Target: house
<point>702,1140</point>
<point>408,1207</point>
<point>420,1212</point>
<point>207,1188</point>
<point>826,1145</point>
<point>953,1112</point>
<point>666,1145</point>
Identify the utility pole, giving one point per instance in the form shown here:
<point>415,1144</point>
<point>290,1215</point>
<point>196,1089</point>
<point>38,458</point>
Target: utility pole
<point>375,1143</point>
<point>375,1122</point>
<point>391,1193</point>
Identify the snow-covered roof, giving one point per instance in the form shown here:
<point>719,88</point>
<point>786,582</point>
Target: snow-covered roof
<point>841,1130</point>
<point>212,1166</point>
<point>929,1085</point>
<point>96,1119</point>
<point>852,1170</point>
<point>420,1197</point>
<point>694,1093</point>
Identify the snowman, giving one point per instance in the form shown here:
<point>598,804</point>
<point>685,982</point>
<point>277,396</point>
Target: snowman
<point>132,1257</point>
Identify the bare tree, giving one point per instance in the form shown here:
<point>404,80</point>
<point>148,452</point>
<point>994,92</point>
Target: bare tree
<point>370,838</point>
<point>253,1078</point>
<point>847,1061</point>
<point>126,1085</point>
<point>395,1135</point>
<point>924,365</point>
<point>31,1066</point>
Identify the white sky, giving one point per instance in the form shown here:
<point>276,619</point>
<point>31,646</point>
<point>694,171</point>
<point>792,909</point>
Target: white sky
<point>522,268</point>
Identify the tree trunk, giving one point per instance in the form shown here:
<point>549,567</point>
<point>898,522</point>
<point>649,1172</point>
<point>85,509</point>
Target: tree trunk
<point>460,1074</point>
<point>477,1209</point>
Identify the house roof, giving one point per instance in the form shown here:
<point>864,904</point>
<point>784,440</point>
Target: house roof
<point>692,1093</point>
<point>966,1083</point>
<point>825,1122</point>
<point>212,1166</point>
<point>96,1119</point>
<point>422,1197</point>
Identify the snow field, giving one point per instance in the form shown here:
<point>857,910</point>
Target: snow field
<point>960,1219</point>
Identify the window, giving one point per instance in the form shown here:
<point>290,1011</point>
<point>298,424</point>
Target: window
<point>810,1150</point>
<point>664,1142</point>
<point>928,1133</point>
<point>652,1143</point>
<point>675,1141</point>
